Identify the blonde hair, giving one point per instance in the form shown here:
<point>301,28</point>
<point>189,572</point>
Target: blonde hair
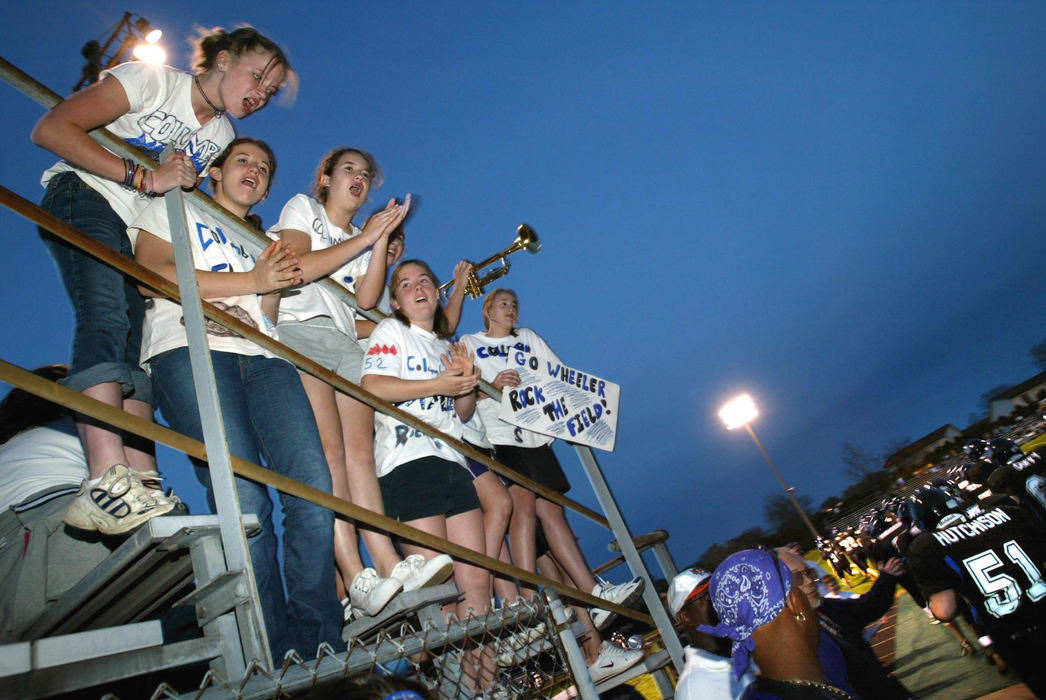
<point>488,301</point>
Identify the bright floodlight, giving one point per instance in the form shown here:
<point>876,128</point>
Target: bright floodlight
<point>149,53</point>
<point>153,36</point>
<point>738,412</point>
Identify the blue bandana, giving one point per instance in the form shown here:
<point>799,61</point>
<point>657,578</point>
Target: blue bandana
<point>748,590</point>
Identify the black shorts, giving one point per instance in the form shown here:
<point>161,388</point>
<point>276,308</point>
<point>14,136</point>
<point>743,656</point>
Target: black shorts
<point>536,463</point>
<point>426,487</point>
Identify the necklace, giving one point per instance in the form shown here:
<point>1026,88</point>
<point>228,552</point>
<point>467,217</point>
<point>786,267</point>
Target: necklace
<point>218,113</point>
<point>830,689</point>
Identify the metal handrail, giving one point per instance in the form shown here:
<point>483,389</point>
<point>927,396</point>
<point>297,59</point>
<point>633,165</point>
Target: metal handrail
<point>27,381</point>
<point>257,242</point>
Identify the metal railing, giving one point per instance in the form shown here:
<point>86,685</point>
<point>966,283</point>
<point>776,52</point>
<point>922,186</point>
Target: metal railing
<point>215,449</point>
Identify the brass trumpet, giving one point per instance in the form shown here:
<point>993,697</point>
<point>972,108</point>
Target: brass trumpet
<point>526,239</point>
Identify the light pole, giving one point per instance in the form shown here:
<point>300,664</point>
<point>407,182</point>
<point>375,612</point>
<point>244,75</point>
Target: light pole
<point>739,412</point>
<point>135,35</point>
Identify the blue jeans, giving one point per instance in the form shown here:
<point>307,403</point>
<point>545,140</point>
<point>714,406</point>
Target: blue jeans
<point>109,310</point>
<point>267,415</point>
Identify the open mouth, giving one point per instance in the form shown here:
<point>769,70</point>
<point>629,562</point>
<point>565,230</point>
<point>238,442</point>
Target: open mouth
<point>356,189</point>
<point>250,182</point>
<point>249,105</point>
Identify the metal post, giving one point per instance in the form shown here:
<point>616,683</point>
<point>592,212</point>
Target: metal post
<point>234,540</point>
<point>578,667</point>
<point>788,489</point>
<point>665,561</point>
<point>632,558</point>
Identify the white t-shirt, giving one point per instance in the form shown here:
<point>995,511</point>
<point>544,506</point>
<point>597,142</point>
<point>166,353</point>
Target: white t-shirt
<point>711,677</point>
<point>384,305</point>
<point>474,431</point>
<point>494,355</point>
<point>303,213</point>
<point>40,459</point>
<point>410,353</point>
<point>213,250</point>
<point>161,113</point>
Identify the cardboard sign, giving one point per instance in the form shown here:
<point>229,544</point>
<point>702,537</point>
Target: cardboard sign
<point>556,400</point>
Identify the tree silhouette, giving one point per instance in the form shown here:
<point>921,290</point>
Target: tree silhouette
<point>1038,354</point>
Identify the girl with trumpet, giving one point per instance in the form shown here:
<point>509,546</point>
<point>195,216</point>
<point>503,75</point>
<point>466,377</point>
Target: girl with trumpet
<point>531,455</point>
<point>314,322</point>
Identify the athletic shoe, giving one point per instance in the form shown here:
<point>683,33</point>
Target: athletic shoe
<point>620,593</point>
<point>601,617</point>
<point>510,649</point>
<point>613,660</point>
<point>153,483</point>
<point>369,593</point>
<point>415,572</point>
<point>117,504</point>
<point>347,612</point>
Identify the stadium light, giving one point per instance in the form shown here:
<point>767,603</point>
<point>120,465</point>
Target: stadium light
<point>148,51</point>
<point>740,412</point>
<point>133,36</point>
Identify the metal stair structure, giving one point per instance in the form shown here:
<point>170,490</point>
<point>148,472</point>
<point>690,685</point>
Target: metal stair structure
<point>200,565</point>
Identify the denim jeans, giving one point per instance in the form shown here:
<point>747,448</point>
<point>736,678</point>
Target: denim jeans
<point>108,308</point>
<point>267,415</point>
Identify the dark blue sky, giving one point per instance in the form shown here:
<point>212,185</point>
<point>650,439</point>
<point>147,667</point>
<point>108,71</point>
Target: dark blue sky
<point>837,207</point>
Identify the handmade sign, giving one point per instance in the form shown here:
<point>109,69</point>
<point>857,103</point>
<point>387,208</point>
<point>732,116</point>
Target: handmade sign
<point>560,401</point>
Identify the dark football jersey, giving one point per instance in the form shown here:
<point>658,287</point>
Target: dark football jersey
<point>995,561</point>
<point>1025,481</point>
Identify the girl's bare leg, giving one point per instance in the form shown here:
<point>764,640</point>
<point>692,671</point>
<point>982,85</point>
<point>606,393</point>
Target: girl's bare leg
<point>564,545</point>
<point>465,529</point>
<point>591,642</point>
<point>140,452</point>
<point>506,589</point>
<point>357,429</point>
<point>325,409</point>
<point>103,445</point>
<point>496,504</point>
<point>521,532</point>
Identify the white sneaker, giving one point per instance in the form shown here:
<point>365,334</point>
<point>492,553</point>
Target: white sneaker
<point>512,649</point>
<point>601,618</point>
<point>415,572</point>
<point>153,483</point>
<point>613,660</point>
<point>620,593</point>
<point>370,593</point>
<point>118,503</point>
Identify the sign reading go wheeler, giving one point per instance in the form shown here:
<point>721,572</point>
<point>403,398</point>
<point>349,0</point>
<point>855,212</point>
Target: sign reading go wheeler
<point>563,402</point>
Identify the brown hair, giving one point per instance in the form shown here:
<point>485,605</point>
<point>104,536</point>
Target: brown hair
<point>219,161</point>
<point>326,167</point>
<point>439,326</point>
<point>241,41</point>
<point>488,302</point>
